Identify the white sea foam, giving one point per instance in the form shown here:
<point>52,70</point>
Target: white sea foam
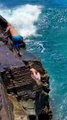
<point>40,46</point>
<point>22,17</point>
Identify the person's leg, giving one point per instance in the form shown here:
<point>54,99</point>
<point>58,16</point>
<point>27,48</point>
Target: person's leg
<point>18,41</point>
<point>18,44</point>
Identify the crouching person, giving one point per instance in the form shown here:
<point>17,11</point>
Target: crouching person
<point>17,40</point>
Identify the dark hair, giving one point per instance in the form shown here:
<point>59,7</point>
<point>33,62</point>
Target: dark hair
<point>3,22</point>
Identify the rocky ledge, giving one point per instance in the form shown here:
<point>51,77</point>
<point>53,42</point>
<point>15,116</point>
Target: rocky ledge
<point>21,98</point>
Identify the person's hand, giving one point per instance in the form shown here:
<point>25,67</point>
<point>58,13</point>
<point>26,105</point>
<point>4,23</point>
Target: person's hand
<point>36,76</point>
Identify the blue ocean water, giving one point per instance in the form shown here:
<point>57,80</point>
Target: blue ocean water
<point>50,44</point>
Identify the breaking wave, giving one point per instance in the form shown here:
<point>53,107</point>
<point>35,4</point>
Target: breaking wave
<point>22,17</point>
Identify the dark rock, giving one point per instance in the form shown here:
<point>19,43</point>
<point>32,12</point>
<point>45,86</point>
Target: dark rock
<point>20,96</point>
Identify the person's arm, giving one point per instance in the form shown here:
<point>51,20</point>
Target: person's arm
<point>5,35</point>
<point>8,27</point>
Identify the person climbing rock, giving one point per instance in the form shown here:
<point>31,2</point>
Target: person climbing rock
<point>12,34</point>
<point>15,37</point>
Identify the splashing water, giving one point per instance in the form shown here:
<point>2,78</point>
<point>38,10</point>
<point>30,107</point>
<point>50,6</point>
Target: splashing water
<point>22,17</point>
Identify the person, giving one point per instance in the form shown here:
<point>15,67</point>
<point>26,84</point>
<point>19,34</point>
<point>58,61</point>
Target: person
<point>16,38</point>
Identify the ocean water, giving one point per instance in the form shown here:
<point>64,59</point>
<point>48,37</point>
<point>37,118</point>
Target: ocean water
<point>43,23</point>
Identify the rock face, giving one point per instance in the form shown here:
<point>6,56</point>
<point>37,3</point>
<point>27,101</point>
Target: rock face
<point>21,98</point>
<point>5,105</point>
